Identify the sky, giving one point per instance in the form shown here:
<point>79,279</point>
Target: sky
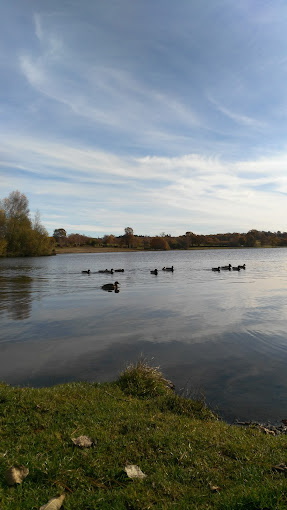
<point>158,115</point>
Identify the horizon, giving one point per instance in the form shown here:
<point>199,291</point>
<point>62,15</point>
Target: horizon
<point>166,234</point>
<point>162,117</point>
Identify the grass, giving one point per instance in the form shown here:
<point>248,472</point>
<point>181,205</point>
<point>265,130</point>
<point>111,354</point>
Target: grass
<point>90,249</point>
<point>192,460</point>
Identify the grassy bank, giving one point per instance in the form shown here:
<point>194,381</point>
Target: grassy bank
<point>92,249</point>
<point>191,460</point>
<point>89,249</point>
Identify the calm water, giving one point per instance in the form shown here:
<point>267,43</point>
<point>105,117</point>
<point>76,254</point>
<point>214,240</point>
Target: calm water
<point>223,334</point>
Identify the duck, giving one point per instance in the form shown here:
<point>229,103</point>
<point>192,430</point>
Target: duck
<point>236,268</point>
<point>155,271</point>
<point>87,272</point>
<point>243,266</point>
<point>216,269</point>
<point>226,268</point>
<point>168,268</point>
<point>108,271</point>
<point>110,286</point>
<point>119,270</point>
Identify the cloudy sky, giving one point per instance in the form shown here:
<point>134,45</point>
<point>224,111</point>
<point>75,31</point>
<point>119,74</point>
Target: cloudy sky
<point>159,115</point>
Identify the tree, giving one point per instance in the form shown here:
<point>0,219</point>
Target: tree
<point>191,238</point>
<point>3,242</point>
<point>60,236</point>
<point>18,225</point>
<point>250,239</point>
<point>16,206</point>
<point>109,240</point>
<point>129,236</point>
<point>59,233</point>
<point>41,242</point>
<point>19,236</point>
<point>159,243</point>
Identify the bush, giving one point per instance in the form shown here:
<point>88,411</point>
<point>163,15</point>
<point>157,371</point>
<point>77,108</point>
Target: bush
<point>143,381</point>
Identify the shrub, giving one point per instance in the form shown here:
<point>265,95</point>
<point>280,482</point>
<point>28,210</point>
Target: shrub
<point>143,381</point>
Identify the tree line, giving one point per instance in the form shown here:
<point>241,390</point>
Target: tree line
<point>21,235</point>
<point>251,239</point>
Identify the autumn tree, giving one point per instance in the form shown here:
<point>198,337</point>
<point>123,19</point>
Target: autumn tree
<point>21,236</point>
<point>129,237</point>
<point>159,243</point>
<point>3,242</point>
<point>18,225</point>
<point>109,240</point>
<point>42,243</point>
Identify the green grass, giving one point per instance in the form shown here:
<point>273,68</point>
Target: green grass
<point>179,444</point>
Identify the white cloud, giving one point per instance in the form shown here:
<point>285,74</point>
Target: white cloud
<point>38,26</point>
<point>34,73</point>
<point>152,149</point>
<point>106,191</point>
<point>239,118</point>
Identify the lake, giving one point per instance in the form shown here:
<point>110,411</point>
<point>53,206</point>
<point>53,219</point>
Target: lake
<point>218,334</point>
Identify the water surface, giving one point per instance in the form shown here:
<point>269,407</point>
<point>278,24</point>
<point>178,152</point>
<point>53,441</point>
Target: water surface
<point>223,334</point>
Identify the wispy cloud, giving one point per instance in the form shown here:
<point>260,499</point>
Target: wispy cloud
<point>116,189</point>
<point>239,118</point>
<point>165,119</point>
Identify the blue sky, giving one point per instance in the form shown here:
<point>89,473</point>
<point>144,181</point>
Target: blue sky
<point>159,115</point>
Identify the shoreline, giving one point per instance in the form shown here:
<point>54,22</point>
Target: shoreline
<point>90,249</point>
<point>77,440</point>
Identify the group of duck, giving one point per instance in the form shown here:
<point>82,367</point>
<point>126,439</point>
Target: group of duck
<point>229,268</point>
<point>107,271</point>
<point>114,286</point>
<point>155,271</point>
<point>107,286</point>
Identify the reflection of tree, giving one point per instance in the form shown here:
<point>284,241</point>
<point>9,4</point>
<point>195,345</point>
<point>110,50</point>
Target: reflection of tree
<point>15,296</point>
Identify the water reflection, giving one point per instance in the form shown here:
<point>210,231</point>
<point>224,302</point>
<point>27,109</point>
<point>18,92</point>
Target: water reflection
<point>237,381</point>
<point>15,296</point>
<point>221,332</point>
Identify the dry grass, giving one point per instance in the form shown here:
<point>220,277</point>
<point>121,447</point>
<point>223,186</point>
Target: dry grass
<point>142,380</point>
<point>89,249</point>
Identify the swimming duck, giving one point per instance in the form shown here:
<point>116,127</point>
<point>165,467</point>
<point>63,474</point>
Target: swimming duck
<point>236,268</point>
<point>216,269</point>
<point>87,272</point>
<point>168,268</point>
<point>119,270</point>
<point>108,271</point>
<point>154,272</point>
<point>110,286</point>
<point>226,268</point>
<point>242,267</point>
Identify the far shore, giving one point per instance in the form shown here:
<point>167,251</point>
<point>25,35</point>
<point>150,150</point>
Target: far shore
<point>104,249</point>
<point>91,249</point>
